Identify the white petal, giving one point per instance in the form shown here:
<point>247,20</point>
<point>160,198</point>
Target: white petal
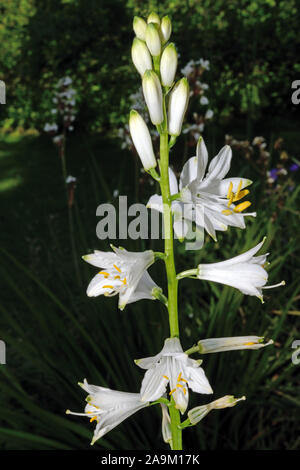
<point>197,380</point>
<point>101,259</point>
<point>154,383</point>
<point>155,202</point>
<point>220,165</point>
<point>189,172</point>
<point>202,155</point>
<point>173,182</point>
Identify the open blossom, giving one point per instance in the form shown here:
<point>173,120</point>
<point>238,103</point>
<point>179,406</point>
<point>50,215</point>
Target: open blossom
<point>108,407</point>
<point>124,273</point>
<point>245,272</point>
<point>174,368</point>
<point>209,200</point>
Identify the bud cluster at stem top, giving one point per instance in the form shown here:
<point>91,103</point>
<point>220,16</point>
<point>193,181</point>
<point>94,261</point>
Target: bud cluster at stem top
<point>156,61</point>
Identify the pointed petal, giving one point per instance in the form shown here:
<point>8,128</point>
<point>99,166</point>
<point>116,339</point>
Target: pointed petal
<point>202,156</point>
<point>220,165</point>
<point>189,172</point>
<point>154,383</point>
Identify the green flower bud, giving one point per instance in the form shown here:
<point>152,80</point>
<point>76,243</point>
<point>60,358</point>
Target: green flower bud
<point>153,96</point>
<point>153,18</point>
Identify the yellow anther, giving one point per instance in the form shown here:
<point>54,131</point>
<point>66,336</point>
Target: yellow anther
<point>183,380</point>
<point>181,386</point>
<point>249,344</point>
<point>117,277</point>
<point>172,391</point>
<point>179,377</point>
<point>242,206</point>
<point>108,287</point>
<point>229,190</point>
<point>230,200</point>
<point>166,377</point>
<point>241,194</point>
<point>124,281</point>
<point>239,188</point>
<point>116,267</point>
<point>93,419</point>
<point>226,212</point>
<point>184,391</point>
<point>105,274</point>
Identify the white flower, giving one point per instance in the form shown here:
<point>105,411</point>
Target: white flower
<point>172,366</point>
<point>142,140</point>
<point>108,407</point>
<point>178,102</point>
<point>71,179</point>
<point>141,56</point>
<point>208,201</point>
<point>213,345</point>
<point>50,127</point>
<point>209,114</point>
<point>245,272</point>
<point>124,273</point>
<point>204,100</point>
<point>197,414</point>
<point>153,96</point>
<point>168,65</point>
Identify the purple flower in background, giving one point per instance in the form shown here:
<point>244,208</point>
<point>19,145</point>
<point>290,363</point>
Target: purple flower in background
<point>294,167</point>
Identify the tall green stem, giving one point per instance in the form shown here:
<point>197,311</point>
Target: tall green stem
<point>170,264</point>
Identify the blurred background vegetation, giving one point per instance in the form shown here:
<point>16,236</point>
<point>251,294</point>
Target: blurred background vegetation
<point>55,336</point>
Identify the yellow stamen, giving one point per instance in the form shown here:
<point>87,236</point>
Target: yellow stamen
<point>172,391</point>
<point>249,344</point>
<point>242,206</point>
<point>165,377</point>
<point>93,419</point>
<point>116,267</point>
<point>117,277</point>
<point>183,380</point>
<point>229,190</point>
<point>105,274</point>
<point>124,281</point>
<point>108,287</point>
<point>239,188</point>
<point>179,377</point>
<point>230,200</point>
<point>241,194</point>
<point>181,386</point>
<point>226,212</point>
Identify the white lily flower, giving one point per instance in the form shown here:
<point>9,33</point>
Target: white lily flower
<point>142,140</point>
<point>172,366</point>
<point>108,407</point>
<point>178,102</point>
<point>141,57</point>
<point>245,272</point>
<point>208,201</point>
<point>153,96</point>
<point>199,412</point>
<point>168,65</point>
<point>124,273</point>
<point>213,345</point>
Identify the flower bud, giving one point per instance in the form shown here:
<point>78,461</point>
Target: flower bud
<point>139,27</point>
<point>153,96</point>
<point>168,65</point>
<point>166,28</point>
<point>178,102</point>
<point>153,18</point>
<point>142,140</point>
<point>141,56</point>
<point>153,39</point>
<point>197,414</point>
